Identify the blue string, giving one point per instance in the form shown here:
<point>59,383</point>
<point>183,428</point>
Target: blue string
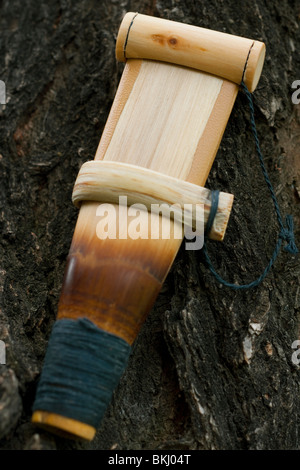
<point>82,367</point>
<point>286,232</point>
<point>214,195</point>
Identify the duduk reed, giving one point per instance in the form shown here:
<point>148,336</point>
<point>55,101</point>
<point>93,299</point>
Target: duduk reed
<point>170,111</point>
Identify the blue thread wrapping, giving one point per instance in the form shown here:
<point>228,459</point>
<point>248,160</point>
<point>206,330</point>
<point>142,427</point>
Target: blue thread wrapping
<point>82,367</point>
<point>286,233</point>
<point>214,196</point>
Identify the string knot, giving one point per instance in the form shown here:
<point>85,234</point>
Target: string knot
<point>287,234</point>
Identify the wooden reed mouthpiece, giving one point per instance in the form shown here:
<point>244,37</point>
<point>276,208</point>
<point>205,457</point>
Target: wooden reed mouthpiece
<point>163,132</point>
<point>224,55</point>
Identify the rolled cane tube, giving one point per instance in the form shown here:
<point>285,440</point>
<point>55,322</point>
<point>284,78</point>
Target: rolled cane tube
<point>224,55</point>
<point>168,118</point>
<point>105,181</point>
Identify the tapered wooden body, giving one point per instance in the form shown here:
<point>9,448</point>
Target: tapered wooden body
<point>115,282</point>
<point>167,118</point>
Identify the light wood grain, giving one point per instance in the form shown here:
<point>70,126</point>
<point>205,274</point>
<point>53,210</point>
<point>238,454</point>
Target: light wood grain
<point>224,55</point>
<point>164,118</point>
<point>105,182</point>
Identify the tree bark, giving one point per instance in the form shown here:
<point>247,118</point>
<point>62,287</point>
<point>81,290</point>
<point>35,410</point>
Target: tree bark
<point>212,367</point>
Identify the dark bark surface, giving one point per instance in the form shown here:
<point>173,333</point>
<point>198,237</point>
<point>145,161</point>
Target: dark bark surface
<point>211,368</point>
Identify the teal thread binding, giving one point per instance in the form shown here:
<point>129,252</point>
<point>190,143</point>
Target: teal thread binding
<point>82,367</point>
<point>286,232</point>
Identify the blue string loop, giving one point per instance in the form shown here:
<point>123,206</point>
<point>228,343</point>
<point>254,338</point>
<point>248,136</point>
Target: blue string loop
<point>286,231</point>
